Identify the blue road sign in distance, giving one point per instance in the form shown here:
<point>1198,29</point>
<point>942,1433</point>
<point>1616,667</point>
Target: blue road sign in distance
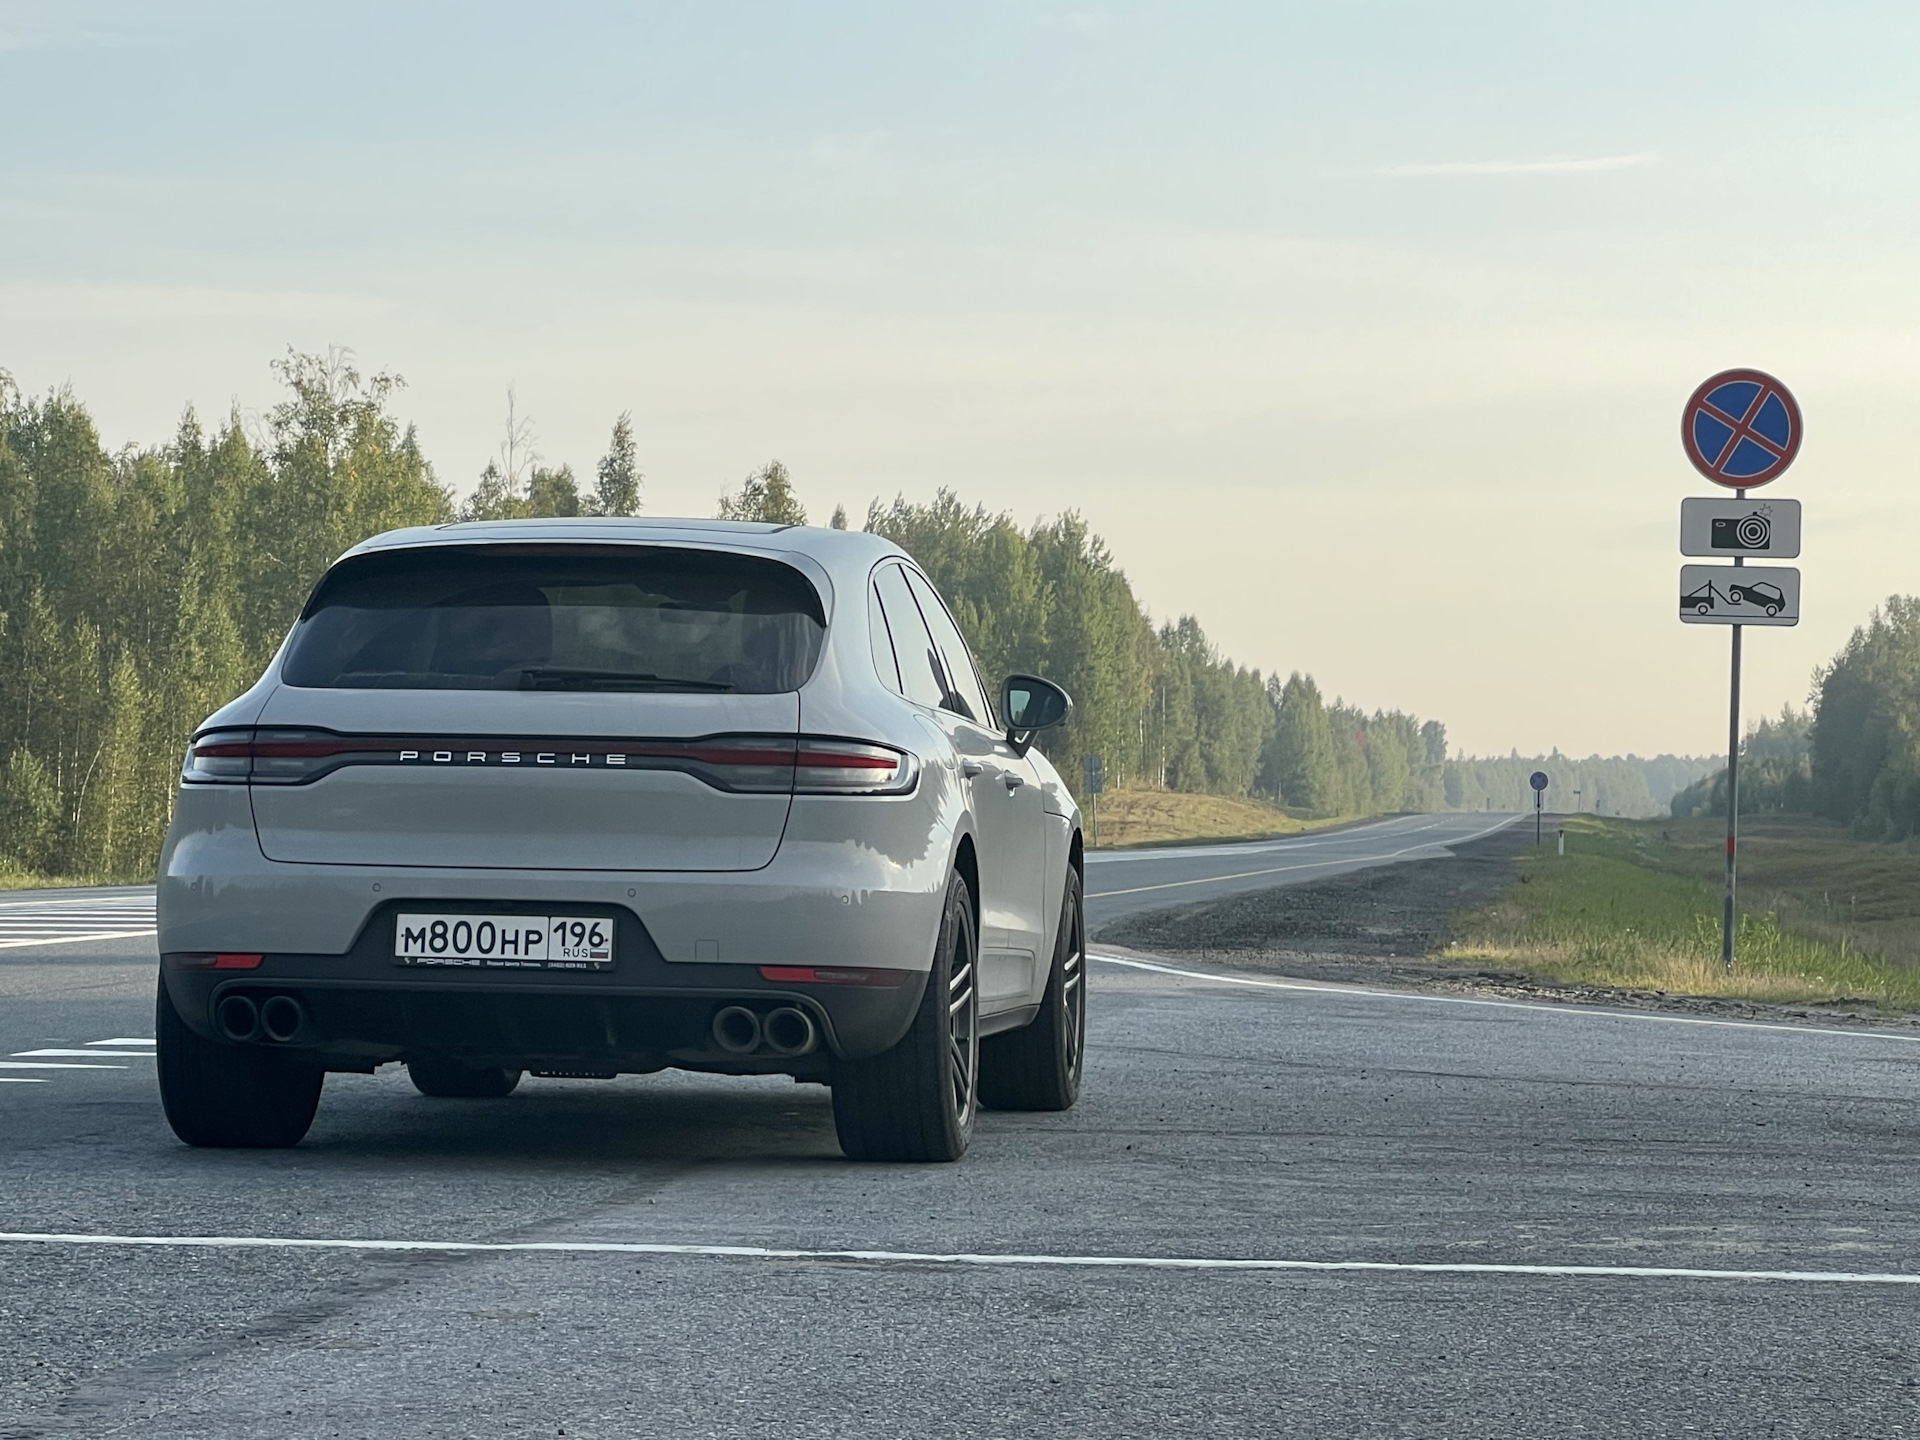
<point>1741,428</point>
<point>1538,780</point>
<point>1093,770</point>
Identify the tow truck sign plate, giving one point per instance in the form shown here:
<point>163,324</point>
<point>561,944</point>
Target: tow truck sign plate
<point>1743,595</point>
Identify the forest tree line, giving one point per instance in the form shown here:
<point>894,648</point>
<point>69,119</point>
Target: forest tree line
<point>1855,757</point>
<point>140,589</point>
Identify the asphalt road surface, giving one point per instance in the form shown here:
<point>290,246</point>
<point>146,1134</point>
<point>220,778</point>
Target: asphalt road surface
<point>1464,1218</point>
<point>1120,882</point>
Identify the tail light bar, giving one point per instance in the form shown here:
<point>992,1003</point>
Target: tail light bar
<point>849,767</point>
<point>740,764</point>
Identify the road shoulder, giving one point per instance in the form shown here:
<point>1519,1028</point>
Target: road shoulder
<point>1388,928</point>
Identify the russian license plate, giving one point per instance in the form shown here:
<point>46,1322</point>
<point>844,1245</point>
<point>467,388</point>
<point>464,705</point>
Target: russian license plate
<point>514,942</point>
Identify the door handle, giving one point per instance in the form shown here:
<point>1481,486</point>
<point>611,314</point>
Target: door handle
<point>970,769</point>
<point>1014,782</point>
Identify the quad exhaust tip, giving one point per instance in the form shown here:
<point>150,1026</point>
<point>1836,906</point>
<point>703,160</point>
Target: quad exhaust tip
<point>278,1018</point>
<point>281,1017</point>
<point>736,1029</point>
<point>238,1018</point>
<point>785,1031</point>
<point>790,1031</point>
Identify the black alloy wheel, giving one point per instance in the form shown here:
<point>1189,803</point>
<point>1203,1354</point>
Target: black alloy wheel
<point>1038,1067</point>
<point>918,1101</point>
<point>225,1095</point>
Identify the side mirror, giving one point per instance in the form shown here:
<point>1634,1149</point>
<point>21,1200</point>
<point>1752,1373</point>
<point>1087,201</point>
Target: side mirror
<point>1029,704</point>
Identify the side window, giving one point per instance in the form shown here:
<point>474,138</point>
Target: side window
<point>966,697</point>
<point>920,677</point>
<point>882,643</point>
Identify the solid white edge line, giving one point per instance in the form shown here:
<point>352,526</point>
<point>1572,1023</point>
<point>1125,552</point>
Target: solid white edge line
<point>124,1040</point>
<point>61,1053</point>
<point>1543,1006</point>
<point>1281,843</point>
<point>52,1065</point>
<point>1354,860</point>
<point>70,939</point>
<point>916,1257</point>
<point>21,1080</point>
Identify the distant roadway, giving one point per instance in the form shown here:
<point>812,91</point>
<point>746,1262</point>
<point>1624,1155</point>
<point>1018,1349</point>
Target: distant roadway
<point>1280,1208</point>
<point>1120,882</point>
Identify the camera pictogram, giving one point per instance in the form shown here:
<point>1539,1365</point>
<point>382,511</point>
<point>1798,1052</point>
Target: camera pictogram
<point>1742,532</point>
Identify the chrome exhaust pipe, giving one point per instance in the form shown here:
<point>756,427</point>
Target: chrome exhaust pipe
<point>238,1018</point>
<point>281,1017</point>
<point>736,1029</point>
<point>790,1031</point>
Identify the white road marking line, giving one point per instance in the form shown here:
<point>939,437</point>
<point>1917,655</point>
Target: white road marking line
<point>21,1080</point>
<point>1543,1006</point>
<point>117,1054</point>
<point>123,1040</point>
<point>71,939</point>
<point>74,921</point>
<point>917,1257</point>
<point>1303,865</point>
<point>52,1065</point>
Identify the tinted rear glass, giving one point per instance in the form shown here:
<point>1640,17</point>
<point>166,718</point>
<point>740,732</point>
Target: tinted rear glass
<point>580,618</point>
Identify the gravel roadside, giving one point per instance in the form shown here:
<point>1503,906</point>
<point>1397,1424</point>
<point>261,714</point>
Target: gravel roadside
<point>1388,927</point>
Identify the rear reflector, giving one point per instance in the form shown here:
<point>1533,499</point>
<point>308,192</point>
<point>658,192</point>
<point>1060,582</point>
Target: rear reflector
<point>222,961</point>
<point>821,975</point>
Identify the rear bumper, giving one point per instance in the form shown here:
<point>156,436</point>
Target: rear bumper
<point>850,889</point>
<point>359,1010</point>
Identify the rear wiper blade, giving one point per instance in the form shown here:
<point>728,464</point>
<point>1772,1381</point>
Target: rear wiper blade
<point>550,677</point>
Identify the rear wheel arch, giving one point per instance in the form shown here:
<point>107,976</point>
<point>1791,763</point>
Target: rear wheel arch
<point>967,863</point>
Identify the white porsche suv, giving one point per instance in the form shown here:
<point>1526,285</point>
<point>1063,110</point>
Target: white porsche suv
<point>600,797</point>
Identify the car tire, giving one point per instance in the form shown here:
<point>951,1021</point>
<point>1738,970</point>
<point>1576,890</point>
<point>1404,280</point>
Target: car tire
<point>445,1078</point>
<point>230,1096</point>
<point>917,1101</point>
<point>1038,1066</point>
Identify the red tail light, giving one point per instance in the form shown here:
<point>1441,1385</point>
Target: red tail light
<point>848,767</point>
<point>275,757</point>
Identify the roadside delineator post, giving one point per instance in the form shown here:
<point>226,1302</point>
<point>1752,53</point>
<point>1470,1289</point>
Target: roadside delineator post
<point>1740,429</point>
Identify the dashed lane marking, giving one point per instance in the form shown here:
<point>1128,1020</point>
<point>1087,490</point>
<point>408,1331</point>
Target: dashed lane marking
<point>53,1065</point>
<point>120,1054</point>
<point>122,1040</point>
<point>66,922</point>
<point>961,1260</point>
<point>1543,1007</point>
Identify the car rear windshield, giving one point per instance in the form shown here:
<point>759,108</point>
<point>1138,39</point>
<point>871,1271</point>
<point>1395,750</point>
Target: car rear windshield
<point>559,618</point>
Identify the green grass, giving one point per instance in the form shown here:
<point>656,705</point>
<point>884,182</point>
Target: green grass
<point>26,880</point>
<point>1169,817</point>
<point>1637,903</point>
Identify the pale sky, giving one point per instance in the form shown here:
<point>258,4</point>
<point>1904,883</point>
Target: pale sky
<point>1360,330</point>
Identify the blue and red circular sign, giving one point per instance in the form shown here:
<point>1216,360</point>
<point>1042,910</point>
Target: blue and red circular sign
<point>1538,780</point>
<point>1741,428</point>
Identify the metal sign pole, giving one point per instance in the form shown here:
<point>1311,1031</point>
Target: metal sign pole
<point>1733,797</point>
<point>1536,817</point>
<point>1741,429</point>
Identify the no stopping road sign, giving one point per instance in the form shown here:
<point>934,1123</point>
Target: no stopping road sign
<point>1741,428</point>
